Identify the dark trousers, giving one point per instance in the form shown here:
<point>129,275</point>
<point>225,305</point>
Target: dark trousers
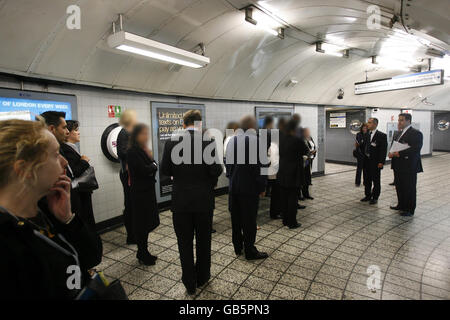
<point>372,177</point>
<point>305,190</point>
<point>275,202</point>
<point>406,185</point>
<point>186,225</point>
<point>127,213</point>
<point>359,170</point>
<point>289,205</point>
<point>244,209</point>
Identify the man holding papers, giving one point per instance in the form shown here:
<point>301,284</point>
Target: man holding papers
<point>405,155</point>
<point>375,145</point>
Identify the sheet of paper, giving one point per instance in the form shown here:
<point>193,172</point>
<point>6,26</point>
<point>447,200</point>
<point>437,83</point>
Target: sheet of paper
<point>397,146</point>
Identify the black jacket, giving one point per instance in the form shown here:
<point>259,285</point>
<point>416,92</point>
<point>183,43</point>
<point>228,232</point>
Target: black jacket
<point>77,165</point>
<point>395,136</point>
<point>122,147</point>
<point>361,146</point>
<point>193,184</point>
<point>376,149</point>
<point>62,151</point>
<point>291,171</point>
<point>142,170</point>
<point>410,160</point>
<point>32,269</point>
<point>245,177</point>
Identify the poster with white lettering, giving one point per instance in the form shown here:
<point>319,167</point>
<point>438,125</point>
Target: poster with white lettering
<point>166,119</point>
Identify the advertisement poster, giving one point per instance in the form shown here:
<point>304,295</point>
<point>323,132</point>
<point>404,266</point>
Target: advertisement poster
<point>338,120</point>
<point>26,105</point>
<point>166,119</point>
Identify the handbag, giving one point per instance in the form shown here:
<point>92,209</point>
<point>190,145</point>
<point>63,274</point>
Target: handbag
<point>99,288</point>
<point>87,181</point>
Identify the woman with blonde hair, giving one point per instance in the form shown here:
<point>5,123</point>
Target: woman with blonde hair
<point>43,243</point>
<point>128,121</point>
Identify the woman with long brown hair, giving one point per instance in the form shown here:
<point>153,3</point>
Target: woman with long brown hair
<point>142,170</point>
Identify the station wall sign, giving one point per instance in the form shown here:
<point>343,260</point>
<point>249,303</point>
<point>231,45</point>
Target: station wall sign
<point>414,80</point>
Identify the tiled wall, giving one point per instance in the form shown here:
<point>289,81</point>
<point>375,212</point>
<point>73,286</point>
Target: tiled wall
<point>93,117</point>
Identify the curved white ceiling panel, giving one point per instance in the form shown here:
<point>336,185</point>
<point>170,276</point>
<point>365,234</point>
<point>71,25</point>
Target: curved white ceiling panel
<point>247,63</point>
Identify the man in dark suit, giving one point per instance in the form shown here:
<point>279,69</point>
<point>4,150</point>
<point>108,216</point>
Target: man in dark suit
<point>299,133</point>
<point>246,184</point>
<point>290,173</point>
<point>56,124</point>
<point>194,180</point>
<point>407,164</point>
<point>374,160</point>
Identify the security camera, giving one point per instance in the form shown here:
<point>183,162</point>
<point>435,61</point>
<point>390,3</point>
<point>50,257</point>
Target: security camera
<point>340,94</point>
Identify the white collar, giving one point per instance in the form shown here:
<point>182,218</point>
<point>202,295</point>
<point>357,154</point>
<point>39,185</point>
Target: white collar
<point>374,131</point>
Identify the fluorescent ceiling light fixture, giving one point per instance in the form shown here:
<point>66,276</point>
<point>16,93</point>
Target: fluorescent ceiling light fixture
<point>154,50</point>
<point>262,20</point>
<point>331,49</point>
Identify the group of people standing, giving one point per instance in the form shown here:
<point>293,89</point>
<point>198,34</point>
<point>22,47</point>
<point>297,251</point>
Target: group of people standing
<point>193,185</point>
<point>288,174</point>
<point>371,150</point>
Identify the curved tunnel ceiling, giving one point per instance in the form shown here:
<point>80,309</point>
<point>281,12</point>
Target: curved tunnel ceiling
<point>246,63</point>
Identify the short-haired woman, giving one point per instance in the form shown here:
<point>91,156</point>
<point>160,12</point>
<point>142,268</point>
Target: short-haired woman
<point>42,241</point>
<point>142,170</point>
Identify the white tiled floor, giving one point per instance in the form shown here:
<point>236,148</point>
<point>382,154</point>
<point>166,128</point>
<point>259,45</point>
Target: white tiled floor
<point>327,258</point>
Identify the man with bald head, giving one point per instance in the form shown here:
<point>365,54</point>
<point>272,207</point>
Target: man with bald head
<point>246,185</point>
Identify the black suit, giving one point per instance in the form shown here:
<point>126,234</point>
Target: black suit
<point>375,153</point>
<point>192,206</point>
<point>142,170</point>
<point>122,147</point>
<point>359,154</point>
<point>406,168</point>
<point>245,184</point>
<point>291,176</point>
<point>81,201</point>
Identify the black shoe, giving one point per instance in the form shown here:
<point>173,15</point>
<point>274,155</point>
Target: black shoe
<point>213,230</point>
<point>365,199</point>
<point>300,206</point>
<point>309,197</point>
<point>358,185</point>
<point>392,184</point>
<point>406,214</point>
<point>295,226</point>
<point>257,256</point>
<point>395,208</point>
<point>146,259</point>
<point>238,252</point>
<point>373,201</point>
<point>301,198</point>
<point>275,217</point>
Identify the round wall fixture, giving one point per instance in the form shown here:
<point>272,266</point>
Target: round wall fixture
<point>443,125</point>
<point>109,142</point>
<point>355,126</point>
